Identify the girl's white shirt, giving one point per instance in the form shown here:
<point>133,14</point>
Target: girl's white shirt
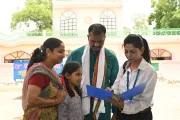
<point>144,100</point>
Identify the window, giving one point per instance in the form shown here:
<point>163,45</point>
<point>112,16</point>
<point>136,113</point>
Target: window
<point>108,19</point>
<point>160,54</point>
<point>68,24</point>
<point>19,55</point>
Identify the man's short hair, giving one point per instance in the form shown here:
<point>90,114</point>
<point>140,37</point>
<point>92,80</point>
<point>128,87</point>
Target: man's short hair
<point>97,29</point>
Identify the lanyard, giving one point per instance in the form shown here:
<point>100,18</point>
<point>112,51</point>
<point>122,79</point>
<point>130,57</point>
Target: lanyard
<point>134,81</point>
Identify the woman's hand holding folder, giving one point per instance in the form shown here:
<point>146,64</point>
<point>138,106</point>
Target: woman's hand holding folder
<point>116,101</point>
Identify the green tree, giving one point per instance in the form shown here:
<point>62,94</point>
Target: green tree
<point>38,12</point>
<point>140,21</point>
<point>166,13</point>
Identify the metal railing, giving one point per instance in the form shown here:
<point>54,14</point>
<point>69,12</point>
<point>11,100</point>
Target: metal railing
<point>117,33</point>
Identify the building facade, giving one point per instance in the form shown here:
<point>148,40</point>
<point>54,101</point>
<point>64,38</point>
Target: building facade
<point>71,19</point>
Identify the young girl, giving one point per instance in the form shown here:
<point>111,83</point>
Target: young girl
<point>70,108</point>
<point>137,70</point>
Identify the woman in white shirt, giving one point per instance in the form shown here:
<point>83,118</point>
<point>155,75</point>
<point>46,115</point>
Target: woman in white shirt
<point>136,70</point>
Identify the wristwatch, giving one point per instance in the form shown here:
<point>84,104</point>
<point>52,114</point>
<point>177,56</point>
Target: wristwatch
<point>115,96</point>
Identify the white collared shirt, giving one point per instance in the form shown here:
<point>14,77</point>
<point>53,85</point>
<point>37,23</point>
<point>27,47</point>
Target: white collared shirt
<point>140,102</point>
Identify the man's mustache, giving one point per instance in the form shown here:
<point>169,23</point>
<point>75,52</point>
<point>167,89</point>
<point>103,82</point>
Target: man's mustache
<point>96,47</point>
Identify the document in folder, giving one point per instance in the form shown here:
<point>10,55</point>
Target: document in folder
<point>103,94</point>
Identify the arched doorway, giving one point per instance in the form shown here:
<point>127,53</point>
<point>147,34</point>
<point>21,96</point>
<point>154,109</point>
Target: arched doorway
<point>18,55</point>
<point>160,54</point>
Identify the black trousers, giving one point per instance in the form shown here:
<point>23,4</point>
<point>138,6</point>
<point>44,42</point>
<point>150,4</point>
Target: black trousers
<point>143,115</point>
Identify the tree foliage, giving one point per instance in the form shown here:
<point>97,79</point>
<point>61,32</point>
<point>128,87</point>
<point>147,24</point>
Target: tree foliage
<point>140,21</point>
<point>38,12</point>
<point>166,13</point>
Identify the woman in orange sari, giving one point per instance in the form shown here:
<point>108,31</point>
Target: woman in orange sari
<point>42,90</point>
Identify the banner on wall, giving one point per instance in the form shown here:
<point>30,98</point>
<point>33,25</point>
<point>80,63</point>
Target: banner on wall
<point>155,66</point>
<point>20,68</point>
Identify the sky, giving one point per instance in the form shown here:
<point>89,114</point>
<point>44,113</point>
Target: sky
<point>7,7</point>
<point>130,7</point>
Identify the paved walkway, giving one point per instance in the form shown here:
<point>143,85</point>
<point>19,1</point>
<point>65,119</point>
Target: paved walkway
<point>166,102</point>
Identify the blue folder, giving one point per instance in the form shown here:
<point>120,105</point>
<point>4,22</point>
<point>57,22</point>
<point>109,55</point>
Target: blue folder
<point>103,94</point>
<point>133,92</point>
<point>98,93</point>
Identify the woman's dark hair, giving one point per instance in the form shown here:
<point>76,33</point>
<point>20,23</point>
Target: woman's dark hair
<point>139,42</point>
<point>69,68</point>
<point>39,54</point>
